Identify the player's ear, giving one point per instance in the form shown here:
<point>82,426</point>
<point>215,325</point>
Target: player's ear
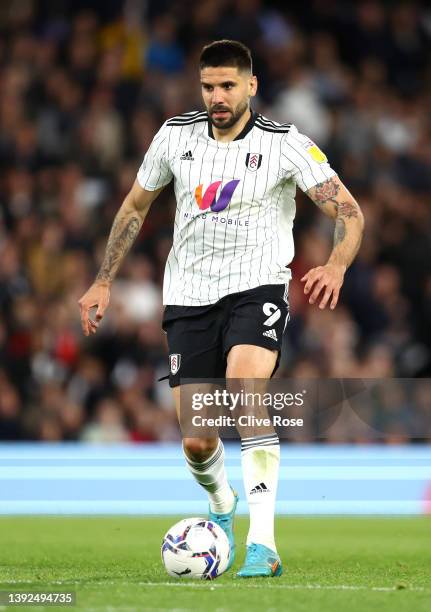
<point>252,87</point>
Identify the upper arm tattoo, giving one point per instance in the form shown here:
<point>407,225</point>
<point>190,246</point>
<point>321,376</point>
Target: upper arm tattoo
<point>328,196</point>
<point>326,192</point>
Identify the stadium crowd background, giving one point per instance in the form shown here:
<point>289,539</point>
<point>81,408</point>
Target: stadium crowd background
<point>84,86</point>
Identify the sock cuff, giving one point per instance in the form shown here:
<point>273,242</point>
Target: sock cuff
<point>259,442</point>
<point>204,466</point>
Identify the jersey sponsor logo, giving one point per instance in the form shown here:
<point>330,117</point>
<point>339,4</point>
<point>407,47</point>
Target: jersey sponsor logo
<point>216,218</point>
<point>174,362</point>
<point>272,312</point>
<point>187,156</point>
<point>253,161</point>
<point>209,198</point>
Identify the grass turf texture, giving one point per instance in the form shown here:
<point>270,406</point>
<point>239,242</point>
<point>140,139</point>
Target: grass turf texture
<point>113,563</point>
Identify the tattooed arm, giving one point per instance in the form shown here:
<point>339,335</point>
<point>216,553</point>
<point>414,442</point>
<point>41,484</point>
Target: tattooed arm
<point>333,199</point>
<point>125,228</point>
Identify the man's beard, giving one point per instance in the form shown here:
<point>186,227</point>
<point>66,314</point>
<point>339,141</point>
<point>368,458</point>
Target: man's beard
<point>225,124</point>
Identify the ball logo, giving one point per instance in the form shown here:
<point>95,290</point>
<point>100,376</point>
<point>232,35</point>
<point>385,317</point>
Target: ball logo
<point>209,198</point>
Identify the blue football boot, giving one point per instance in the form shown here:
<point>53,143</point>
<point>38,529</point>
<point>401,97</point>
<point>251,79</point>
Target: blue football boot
<point>260,561</point>
<point>225,521</point>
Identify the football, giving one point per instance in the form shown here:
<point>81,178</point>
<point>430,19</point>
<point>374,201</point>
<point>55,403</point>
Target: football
<point>195,548</point>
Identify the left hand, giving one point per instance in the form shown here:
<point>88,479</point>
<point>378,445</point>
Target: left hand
<point>330,278</point>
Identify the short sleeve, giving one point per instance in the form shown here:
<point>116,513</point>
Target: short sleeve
<point>303,161</point>
<point>155,171</point>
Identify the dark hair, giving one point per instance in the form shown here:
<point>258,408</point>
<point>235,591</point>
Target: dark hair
<point>226,53</point>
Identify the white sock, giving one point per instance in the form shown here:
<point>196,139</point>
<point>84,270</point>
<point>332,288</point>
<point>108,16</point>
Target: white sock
<point>260,457</point>
<point>211,475</point>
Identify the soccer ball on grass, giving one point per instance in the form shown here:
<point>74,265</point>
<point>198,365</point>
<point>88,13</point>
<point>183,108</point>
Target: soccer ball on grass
<point>195,548</point>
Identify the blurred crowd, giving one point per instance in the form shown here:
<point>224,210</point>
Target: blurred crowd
<point>84,86</point>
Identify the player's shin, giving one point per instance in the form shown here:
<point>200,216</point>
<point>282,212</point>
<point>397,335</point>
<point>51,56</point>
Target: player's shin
<point>211,475</point>
<point>260,458</point>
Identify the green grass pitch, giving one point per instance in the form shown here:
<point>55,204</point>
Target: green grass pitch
<point>331,564</point>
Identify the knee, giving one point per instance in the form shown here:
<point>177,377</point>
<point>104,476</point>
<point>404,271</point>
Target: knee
<point>199,449</point>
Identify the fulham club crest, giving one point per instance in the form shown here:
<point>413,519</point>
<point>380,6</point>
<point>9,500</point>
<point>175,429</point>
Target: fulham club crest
<point>175,362</point>
<point>253,161</point>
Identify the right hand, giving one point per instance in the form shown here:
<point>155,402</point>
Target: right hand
<point>96,296</point>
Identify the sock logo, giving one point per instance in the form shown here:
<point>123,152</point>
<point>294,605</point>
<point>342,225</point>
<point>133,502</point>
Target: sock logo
<point>260,488</point>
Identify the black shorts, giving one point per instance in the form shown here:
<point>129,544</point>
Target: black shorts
<point>200,337</point>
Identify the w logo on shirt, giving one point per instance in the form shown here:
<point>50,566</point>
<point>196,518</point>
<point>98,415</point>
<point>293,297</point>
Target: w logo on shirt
<point>209,198</point>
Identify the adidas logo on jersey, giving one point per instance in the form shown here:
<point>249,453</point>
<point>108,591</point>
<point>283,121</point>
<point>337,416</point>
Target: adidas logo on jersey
<point>270,333</point>
<point>260,488</point>
<point>187,156</point>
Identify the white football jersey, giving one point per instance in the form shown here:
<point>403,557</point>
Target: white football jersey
<point>235,203</point>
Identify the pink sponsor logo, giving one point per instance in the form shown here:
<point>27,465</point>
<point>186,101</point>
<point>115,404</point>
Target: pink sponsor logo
<point>209,198</point>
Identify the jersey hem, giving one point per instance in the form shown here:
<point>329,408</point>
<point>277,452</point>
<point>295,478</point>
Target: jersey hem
<point>245,287</point>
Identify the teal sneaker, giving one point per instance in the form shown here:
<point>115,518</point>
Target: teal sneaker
<point>260,561</point>
<point>226,523</point>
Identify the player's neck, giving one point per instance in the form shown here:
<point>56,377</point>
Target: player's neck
<point>234,131</point>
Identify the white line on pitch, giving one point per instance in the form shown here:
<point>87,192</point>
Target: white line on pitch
<point>238,584</point>
<point>340,587</point>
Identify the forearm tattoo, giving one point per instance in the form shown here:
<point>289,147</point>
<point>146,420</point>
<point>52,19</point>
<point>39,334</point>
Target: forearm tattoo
<point>120,240</point>
<point>340,231</point>
<point>348,210</point>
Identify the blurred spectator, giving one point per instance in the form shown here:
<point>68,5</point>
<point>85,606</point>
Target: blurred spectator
<point>138,295</point>
<point>163,53</point>
<point>108,425</point>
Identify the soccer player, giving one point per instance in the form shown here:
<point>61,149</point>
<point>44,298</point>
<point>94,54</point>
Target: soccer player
<point>226,279</point>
